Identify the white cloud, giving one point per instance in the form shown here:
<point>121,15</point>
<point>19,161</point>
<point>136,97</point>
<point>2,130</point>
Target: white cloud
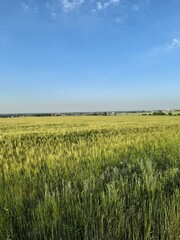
<point>103,5</point>
<point>99,5</point>
<point>174,44</point>
<point>69,5</point>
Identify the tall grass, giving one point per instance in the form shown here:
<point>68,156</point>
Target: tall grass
<point>90,178</point>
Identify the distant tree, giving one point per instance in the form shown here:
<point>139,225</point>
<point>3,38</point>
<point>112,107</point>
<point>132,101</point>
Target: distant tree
<point>170,114</point>
<point>158,113</point>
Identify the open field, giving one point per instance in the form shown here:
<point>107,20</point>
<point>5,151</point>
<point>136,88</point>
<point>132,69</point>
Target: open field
<point>90,178</point>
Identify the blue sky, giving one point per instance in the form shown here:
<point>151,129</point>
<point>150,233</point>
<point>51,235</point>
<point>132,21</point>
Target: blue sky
<point>96,55</point>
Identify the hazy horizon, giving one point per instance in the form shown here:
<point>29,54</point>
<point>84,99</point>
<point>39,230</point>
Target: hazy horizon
<point>83,56</point>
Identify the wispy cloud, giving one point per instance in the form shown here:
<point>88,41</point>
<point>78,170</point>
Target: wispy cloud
<point>25,7</point>
<point>28,7</point>
<point>152,56</point>
<point>53,14</point>
<point>52,9</point>
<point>100,5</point>
<point>174,44</point>
<point>69,5</point>
<point>121,19</point>
<point>136,7</point>
<point>118,19</point>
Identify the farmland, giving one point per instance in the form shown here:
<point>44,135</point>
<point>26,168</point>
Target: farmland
<point>114,177</point>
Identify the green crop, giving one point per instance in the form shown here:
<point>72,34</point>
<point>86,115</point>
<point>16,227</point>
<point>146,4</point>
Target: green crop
<point>91,178</point>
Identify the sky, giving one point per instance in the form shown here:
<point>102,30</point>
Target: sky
<point>96,55</point>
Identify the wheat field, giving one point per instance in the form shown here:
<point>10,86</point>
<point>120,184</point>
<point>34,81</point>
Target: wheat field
<point>91,178</point>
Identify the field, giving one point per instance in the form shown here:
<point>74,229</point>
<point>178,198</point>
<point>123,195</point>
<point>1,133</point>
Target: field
<point>110,178</point>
